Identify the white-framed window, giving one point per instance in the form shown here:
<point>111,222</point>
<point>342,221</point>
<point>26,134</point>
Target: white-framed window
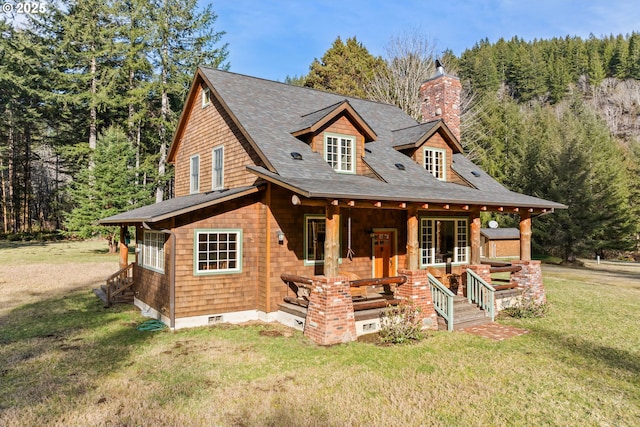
<point>444,239</point>
<point>217,163</point>
<point>206,96</point>
<point>194,174</point>
<point>153,250</point>
<point>217,251</point>
<point>314,237</point>
<point>435,162</point>
<point>340,152</point>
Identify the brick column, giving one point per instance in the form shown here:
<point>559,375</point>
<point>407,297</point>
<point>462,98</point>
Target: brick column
<point>529,279</point>
<point>416,290</point>
<point>330,317</point>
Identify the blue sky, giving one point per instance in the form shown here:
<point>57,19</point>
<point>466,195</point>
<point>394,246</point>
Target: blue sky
<point>275,38</point>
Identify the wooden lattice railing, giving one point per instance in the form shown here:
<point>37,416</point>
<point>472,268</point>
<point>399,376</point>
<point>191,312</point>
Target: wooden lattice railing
<point>119,282</point>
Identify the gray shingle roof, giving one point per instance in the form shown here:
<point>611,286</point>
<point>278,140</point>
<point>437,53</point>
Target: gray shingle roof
<point>270,111</point>
<point>179,205</point>
<point>412,134</point>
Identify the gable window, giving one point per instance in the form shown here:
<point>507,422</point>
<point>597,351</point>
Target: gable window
<point>443,239</point>
<point>435,162</point>
<point>206,96</point>
<point>194,174</point>
<point>218,251</point>
<point>315,233</point>
<point>339,152</point>
<point>217,162</point>
<point>153,251</point>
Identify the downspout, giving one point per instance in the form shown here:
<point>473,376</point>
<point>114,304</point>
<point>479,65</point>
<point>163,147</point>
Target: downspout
<point>172,276</point>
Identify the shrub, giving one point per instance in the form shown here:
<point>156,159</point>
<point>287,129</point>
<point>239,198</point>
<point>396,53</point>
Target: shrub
<point>527,309</point>
<point>400,324</point>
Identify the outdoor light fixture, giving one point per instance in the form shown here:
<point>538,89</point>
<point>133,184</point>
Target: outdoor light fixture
<point>280,237</point>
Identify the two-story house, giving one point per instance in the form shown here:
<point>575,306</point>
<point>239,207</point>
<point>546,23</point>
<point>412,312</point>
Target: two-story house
<point>272,178</point>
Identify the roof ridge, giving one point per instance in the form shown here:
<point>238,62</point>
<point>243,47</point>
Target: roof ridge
<point>418,125</point>
<point>299,87</point>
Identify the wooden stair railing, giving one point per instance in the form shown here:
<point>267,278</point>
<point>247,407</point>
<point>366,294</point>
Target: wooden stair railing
<point>119,282</point>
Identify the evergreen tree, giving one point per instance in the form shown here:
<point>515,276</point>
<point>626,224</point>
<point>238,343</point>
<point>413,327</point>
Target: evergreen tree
<point>346,68</point>
<point>587,174</point>
<point>89,61</point>
<point>106,189</point>
<point>633,57</point>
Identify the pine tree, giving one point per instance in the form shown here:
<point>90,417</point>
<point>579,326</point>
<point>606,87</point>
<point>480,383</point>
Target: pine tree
<point>106,189</point>
<point>346,68</point>
<point>89,62</point>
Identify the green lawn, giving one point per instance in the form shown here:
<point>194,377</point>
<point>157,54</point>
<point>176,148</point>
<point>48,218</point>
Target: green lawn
<point>65,360</point>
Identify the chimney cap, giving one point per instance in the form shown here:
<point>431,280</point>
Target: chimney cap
<point>439,68</point>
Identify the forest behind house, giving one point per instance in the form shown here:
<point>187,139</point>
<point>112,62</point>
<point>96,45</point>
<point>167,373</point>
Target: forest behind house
<point>90,94</point>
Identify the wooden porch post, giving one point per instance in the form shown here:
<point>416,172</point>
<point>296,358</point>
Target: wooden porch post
<point>525,236</point>
<point>332,241</point>
<point>475,238</point>
<point>413,245</point>
<point>124,249</point>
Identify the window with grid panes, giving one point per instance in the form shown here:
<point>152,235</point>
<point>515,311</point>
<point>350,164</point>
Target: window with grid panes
<point>339,152</point>
<point>218,251</point>
<point>435,162</point>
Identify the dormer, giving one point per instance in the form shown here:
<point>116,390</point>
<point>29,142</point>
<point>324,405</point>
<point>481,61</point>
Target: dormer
<point>339,134</point>
<point>431,145</point>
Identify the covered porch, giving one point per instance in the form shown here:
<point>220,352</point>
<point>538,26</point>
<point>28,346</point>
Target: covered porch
<point>435,264</point>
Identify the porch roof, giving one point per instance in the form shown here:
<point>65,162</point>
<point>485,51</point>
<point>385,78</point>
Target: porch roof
<point>358,187</point>
<point>177,206</point>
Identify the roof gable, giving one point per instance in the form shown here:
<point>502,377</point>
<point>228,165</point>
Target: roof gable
<point>416,136</point>
<point>314,121</point>
<point>200,78</point>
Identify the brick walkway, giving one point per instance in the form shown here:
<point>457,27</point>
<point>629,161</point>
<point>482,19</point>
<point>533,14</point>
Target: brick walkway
<point>495,331</point>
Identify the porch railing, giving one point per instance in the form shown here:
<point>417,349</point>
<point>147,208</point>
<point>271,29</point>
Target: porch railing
<point>442,300</point>
<point>481,293</point>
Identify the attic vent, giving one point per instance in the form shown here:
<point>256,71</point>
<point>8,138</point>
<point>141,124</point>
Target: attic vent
<point>296,156</point>
<point>475,173</point>
<point>400,166</point>
<point>367,150</point>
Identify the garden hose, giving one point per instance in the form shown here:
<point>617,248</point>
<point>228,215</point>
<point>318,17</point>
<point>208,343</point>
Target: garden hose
<point>151,325</point>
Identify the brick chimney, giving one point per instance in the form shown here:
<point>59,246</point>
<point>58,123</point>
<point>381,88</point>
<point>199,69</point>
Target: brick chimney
<point>441,99</point>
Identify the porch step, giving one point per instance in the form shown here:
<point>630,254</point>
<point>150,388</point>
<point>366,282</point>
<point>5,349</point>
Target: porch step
<point>125,297</point>
<point>464,315</point>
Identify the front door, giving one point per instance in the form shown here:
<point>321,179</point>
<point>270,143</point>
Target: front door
<point>383,253</point>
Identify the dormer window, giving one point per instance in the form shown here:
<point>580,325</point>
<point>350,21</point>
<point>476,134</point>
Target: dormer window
<point>339,152</point>
<point>435,162</point>
<point>206,96</point>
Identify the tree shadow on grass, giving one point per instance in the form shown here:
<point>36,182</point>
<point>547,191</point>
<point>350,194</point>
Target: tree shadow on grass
<point>594,353</point>
<point>63,346</point>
